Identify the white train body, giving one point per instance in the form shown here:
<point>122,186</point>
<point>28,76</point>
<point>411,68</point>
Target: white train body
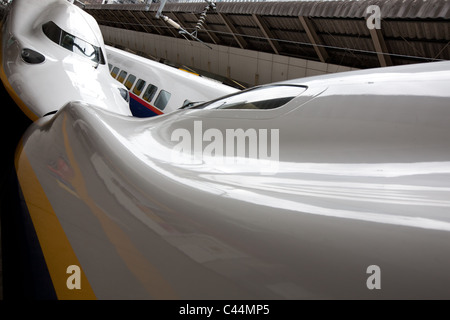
<point>52,53</point>
<point>352,203</point>
<point>156,88</point>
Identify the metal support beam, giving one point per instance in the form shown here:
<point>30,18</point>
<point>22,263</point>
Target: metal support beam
<point>138,19</point>
<point>123,16</point>
<point>314,38</point>
<point>149,22</point>
<point>267,33</point>
<point>380,47</point>
<point>239,39</point>
<point>134,20</point>
<point>117,19</point>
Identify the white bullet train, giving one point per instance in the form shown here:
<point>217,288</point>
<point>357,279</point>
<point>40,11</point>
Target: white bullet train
<point>52,52</point>
<point>156,88</point>
<point>329,187</point>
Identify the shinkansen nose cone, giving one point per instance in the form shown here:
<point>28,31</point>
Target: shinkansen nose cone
<point>53,53</point>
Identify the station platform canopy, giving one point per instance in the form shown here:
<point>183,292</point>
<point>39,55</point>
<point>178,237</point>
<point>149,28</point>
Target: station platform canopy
<point>337,32</point>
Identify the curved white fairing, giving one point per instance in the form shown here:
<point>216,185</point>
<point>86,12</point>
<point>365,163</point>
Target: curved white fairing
<point>351,203</point>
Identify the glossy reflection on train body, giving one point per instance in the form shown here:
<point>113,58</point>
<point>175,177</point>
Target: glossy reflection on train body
<point>357,208</point>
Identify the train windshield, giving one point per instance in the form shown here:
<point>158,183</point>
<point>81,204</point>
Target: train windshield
<point>72,43</point>
<point>262,98</point>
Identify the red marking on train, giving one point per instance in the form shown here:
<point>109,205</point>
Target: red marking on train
<point>146,104</point>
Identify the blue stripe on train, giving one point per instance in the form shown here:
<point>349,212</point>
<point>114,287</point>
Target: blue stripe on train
<point>138,109</point>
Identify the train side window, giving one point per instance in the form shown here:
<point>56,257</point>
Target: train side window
<point>150,92</point>
<point>140,85</point>
<point>110,66</point>
<point>130,81</point>
<point>122,76</point>
<point>162,100</point>
<point>114,72</point>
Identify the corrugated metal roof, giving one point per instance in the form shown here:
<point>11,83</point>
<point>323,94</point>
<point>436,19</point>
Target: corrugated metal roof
<point>412,30</point>
<point>330,9</point>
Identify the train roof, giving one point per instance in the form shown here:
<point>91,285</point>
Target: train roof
<point>397,74</point>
